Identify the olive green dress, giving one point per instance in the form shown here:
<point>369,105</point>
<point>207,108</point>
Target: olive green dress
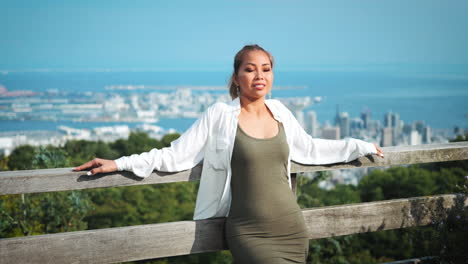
<point>265,223</point>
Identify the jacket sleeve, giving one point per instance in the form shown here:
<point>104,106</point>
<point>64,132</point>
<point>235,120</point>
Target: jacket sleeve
<point>315,151</point>
<point>184,153</point>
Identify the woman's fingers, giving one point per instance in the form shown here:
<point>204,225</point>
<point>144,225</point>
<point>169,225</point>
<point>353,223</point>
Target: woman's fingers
<point>86,165</point>
<point>98,166</point>
<point>95,171</point>
<point>102,166</point>
<point>379,151</point>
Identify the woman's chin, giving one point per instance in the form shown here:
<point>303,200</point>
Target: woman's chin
<point>256,96</point>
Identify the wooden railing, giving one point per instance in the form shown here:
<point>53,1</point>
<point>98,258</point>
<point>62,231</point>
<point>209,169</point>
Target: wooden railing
<point>130,243</point>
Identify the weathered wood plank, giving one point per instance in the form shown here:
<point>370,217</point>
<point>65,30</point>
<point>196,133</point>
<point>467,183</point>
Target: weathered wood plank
<point>62,179</point>
<point>29,181</point>
<point>188,237</point>
<point>400,155</point>
<point>383,215</point>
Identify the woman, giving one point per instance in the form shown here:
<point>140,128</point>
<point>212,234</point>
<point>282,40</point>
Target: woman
<point>247,147</point>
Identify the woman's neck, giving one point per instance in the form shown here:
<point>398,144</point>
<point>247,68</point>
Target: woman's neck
<point>253,106</point>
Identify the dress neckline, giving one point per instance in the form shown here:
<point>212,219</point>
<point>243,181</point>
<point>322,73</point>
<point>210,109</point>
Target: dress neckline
<point>261,139</point>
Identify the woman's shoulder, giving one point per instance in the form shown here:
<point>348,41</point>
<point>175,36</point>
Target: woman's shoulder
<point>217,110</point>
<point>278,105</point>
<point>219,106</point>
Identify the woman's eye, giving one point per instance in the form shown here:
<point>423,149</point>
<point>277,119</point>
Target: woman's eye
<point>266,70</point>
<point>249,70</point>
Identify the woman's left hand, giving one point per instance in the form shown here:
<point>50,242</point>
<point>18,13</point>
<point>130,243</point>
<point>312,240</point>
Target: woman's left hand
<point>379,151</point>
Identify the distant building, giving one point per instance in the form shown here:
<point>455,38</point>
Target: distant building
<point>387,137</point>
<point>426,136</point>
<point>329,132</point>
<point>300,117</point>
<point>366,117</point>
<point>388,119</point>
<point>356,123</point>
<point>373,126</point>
<point>397,127</point>
<point>337,116</point>
<point>392,120</point>
<point>415,138</point>
<point>419,126</point>
<point>312,123</point>
<point>407,128</point>
<point>344,124</point>
<point>342,121</point>
<point>395,120</point>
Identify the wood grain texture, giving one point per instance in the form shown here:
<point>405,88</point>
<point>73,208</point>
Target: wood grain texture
<point>48,180</point>
<point>188,237</point>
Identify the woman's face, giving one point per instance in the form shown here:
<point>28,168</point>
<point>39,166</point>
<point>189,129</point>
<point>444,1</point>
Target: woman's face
<point>255,75</point>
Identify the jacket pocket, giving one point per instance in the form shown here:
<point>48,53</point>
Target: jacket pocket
<point>216,156</point>
<point>221,144</point>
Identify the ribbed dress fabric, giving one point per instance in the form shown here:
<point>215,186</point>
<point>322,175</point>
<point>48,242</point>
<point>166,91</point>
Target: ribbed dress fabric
<point>265,223</point>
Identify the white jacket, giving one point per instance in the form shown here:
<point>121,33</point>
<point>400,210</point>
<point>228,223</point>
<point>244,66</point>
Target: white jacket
<point>211,139</point>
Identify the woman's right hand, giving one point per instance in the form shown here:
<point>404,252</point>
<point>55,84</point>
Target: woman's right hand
<point>98,166</point>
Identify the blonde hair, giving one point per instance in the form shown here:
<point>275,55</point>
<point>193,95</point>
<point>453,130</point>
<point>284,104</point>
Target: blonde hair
<point>238,62</point>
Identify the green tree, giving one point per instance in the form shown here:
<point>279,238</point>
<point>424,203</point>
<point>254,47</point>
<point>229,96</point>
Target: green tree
<point>50,157</point>
<point>136,143</point>
<point>21,158</point>
<point>81,151</point>
<point>40,213</point>
<point>3,162</point>
<point>167,139</point>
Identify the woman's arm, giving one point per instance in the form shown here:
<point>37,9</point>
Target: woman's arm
<point>184,153</point>
<point>308,150</point>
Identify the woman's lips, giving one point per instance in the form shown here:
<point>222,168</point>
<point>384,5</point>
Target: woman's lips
<point>259,86</point>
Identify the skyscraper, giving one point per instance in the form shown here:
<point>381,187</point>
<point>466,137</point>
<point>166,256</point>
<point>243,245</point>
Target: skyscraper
<point>426,136</point>
<point>388,119</point>
<point>329,132</point>
<point>396,128</point>
<point>387,137</point>
<point>299,114</point>
<point>366,117</point>
<point>344,125</point>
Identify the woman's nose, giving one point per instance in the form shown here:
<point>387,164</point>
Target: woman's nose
<point>259,75</point>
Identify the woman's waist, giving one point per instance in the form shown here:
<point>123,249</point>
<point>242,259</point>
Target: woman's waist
<point>268,210</point>
<point>292,222</point>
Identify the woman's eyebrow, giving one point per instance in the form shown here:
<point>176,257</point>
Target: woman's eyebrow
<point>265,64</point>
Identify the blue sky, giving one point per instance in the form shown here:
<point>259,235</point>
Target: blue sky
<point>200,35</point>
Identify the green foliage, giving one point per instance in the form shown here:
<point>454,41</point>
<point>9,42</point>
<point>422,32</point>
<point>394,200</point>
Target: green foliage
<point>310,195</point>
<point>460,138</point>
<point>3,162</point>
<point>33,214</point>
<point>50,157</point>
<point>444,239</point>
<point>137,142</point>
<point>413,181</point>
<point>21,158</point>
<point>81,151</point>
<point>136,205</point>
<point>397,182</point>
<point>167,139</point>
<point>41,213</point>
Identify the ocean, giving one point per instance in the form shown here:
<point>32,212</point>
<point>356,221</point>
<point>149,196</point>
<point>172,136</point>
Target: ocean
<point>440,100</point>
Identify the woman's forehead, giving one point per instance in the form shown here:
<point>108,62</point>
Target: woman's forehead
<point>256,57</point>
